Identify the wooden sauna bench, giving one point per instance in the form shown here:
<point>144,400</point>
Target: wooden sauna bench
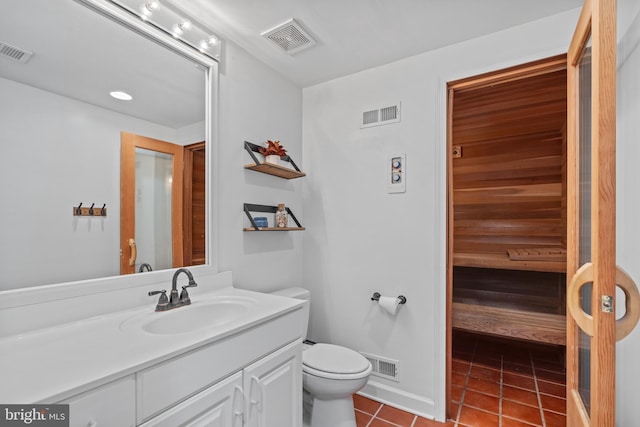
<point>515,303</point>
<point>534,326</point>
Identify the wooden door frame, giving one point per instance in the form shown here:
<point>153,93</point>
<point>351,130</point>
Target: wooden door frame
<point>188,195</point>
<point>598,21</point>
<point>518,72</point>
<point>129,142</point>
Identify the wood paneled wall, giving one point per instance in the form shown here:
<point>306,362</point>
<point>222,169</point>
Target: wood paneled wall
<point>507,185</point>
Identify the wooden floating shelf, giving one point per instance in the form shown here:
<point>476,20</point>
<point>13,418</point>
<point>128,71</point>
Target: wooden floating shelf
<point>250,207</point>
<point>276,170</point>
<point>274,229</point>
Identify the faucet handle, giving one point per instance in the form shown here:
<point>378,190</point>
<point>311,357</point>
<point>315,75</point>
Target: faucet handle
<point>163,301</point>
<point>184,295</point>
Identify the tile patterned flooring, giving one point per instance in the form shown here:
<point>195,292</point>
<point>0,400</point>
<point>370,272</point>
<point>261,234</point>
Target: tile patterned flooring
<point>494,383</point>
<point>370,413</point>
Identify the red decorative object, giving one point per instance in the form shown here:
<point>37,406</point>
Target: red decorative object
<point>273,148</point>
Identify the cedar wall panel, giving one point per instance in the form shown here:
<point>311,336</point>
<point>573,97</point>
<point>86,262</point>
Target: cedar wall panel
<point>508,185</point>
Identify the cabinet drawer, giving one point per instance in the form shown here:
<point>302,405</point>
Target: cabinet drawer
<point>112,404</point>
<point>219,405</point>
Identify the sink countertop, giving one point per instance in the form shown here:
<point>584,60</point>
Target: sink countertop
<point>49,365</point>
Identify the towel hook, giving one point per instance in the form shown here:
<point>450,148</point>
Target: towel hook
<point>78,209</point>
<point>91,209</point>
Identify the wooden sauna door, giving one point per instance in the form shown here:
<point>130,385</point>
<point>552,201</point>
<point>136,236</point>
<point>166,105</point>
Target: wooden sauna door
<point>592,329</point>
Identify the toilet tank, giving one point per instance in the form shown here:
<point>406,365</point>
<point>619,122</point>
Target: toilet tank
<point>298,293</point>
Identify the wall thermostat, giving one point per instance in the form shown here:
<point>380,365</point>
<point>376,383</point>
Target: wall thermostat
<point>396,170</point>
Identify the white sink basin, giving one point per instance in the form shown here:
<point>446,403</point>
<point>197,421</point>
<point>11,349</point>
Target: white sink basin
<point>203,314</point>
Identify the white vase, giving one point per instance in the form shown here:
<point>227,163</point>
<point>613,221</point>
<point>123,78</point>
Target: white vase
<point>274,159</point>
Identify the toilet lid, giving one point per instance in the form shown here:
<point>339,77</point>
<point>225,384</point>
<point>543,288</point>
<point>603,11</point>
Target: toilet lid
<point>334,359</point>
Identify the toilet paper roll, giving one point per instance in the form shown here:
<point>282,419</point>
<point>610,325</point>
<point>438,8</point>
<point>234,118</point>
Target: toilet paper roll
<point>390,304</point>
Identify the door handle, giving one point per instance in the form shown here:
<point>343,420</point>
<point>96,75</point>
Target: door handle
<point>134,252</point>
<point>583,276</point>
<point>255,402</point>
<point>238,406</point>
<point>625,324</point>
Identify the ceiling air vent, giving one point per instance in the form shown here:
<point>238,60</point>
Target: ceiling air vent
<point>290,37</point>
<point>381,116</point>
<point>383,367</point>
<point>14,53</point>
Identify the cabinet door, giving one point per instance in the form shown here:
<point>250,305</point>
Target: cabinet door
<point>273,389</point>
<point>220,405</point>
<point>112,404</point>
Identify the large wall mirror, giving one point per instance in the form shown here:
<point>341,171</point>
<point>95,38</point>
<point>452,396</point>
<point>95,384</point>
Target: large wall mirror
<point>61,137</point>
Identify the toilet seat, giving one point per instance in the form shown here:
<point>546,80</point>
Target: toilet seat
<point>334,362</point>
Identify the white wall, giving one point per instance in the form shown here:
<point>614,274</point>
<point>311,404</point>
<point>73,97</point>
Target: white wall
<point>360,239</point>
<point>257,104</point>
<point>628,198</point>
<point>56,152</point>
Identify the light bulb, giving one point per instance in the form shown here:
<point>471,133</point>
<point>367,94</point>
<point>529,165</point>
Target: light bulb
<point>206,44</point>
<point>123,96</point>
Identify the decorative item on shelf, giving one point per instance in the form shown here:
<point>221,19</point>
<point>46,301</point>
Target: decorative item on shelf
<point>261,221</point>
<point>273,152</point>
<point>282,170</point>
<point>256,222</point>
<point>281,216</point>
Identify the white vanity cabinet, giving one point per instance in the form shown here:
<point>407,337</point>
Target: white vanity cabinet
<point>273,389</point>
<point>266,393</point>
<point>112,404</point>
<point>244,374</point>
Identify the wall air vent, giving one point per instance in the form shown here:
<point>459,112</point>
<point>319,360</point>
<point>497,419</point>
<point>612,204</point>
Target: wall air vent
<point>383,367</point>
<point>290,37</point>
<point>381,116</point>
<point>14,53</point>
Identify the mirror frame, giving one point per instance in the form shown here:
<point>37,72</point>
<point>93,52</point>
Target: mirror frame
<point>45,293</point>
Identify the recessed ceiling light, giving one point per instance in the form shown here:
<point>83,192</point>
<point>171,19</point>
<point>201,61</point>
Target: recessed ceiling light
<point>123,96</point>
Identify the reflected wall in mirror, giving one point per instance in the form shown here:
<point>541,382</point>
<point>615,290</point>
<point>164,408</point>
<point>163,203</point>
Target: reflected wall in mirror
<point>60,139</point>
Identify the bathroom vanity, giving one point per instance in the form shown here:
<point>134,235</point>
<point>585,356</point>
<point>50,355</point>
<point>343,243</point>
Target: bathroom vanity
<point>231,358</point>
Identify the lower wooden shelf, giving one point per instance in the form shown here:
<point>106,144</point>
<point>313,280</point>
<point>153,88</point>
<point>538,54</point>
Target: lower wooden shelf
<point>524,325</point>
<point>273,229</point>
<point>249,207</point>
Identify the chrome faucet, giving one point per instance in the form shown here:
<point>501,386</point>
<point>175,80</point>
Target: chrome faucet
<point>176,300</point>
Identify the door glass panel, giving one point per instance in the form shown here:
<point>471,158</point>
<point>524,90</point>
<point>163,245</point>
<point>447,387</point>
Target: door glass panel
<point>584,215</point>
<point>154,177</point>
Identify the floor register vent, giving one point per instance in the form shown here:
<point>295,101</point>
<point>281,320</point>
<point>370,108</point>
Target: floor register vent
<point>383,367</point>
<point>381,116</point>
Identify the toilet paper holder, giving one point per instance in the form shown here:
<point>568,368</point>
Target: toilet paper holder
<point>376,297</point>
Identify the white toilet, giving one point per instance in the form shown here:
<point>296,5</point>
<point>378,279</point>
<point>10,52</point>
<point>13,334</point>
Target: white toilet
<point>331,374</point>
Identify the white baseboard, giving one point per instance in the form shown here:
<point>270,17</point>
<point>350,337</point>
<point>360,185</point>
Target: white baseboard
<point>400,399</point>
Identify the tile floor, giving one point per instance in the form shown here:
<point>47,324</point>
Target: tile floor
<point>494,383</point>
<point>370,413</point>
<point>506,383</point>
